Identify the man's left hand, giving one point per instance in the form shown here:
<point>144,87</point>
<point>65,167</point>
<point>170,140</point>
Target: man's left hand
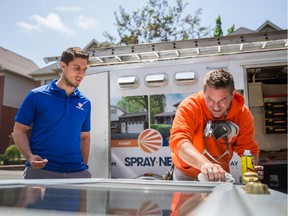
<point>260,171</point>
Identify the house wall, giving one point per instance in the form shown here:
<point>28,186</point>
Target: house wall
<point>7,124</point>
<point>13,89</point>
<point>268,28</point>
<point>1,113</point>
<point>37,83</point>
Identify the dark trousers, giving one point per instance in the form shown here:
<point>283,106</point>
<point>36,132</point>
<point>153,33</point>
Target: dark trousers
<point>30,173</point>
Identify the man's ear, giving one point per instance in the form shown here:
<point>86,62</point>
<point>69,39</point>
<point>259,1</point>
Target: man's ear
<point>234,91</point>
<point>62,65</point>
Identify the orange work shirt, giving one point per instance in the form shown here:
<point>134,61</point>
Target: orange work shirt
<point>190,120</point>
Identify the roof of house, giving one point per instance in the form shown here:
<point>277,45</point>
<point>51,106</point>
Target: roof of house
<point>241,30</point>
<point>10,61</point>
<point>93,44</point>
<point>47,70</point>
<point>116,107</point>
<point>165,114</point>
<point>268,25</point>
<point>132,115</point>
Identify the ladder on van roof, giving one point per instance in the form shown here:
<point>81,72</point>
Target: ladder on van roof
<point>173,50</point>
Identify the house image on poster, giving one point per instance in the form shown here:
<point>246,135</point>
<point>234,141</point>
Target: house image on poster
<point>124,123</point>
<point>166,117</point>
<point>133,122</point>
<point>115,112</point>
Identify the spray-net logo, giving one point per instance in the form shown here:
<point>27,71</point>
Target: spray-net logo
<point>150,140</point>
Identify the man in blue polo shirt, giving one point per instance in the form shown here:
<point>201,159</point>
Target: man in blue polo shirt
<point>58,115</point>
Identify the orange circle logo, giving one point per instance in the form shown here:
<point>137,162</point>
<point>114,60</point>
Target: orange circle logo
<point>150,140</point>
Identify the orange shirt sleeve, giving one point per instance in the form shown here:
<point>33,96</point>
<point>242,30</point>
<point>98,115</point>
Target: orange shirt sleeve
<point>183,127</point>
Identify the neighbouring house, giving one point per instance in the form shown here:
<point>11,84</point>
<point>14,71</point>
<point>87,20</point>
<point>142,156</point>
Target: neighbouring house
<point>45,75</point>
<point>115,112</point>
<point>133,122</point>
<point>164,118</point>
<point>15,83</point>
<point>265,27</point>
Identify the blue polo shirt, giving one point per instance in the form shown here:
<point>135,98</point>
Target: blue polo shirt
<point>57,122</point>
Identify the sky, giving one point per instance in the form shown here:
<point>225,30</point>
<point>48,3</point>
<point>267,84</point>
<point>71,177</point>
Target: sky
<point>44,28</point>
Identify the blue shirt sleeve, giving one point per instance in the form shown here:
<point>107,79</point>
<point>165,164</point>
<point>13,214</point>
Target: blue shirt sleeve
<point>27,110</point>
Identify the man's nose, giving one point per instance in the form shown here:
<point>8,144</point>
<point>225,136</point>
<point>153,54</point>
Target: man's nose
<point>216,105</point>
<point>82,71</point>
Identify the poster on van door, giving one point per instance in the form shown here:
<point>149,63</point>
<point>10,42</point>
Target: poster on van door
<point>140,130</point>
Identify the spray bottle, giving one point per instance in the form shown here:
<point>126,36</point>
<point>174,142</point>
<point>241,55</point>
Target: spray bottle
<point>247,163</point>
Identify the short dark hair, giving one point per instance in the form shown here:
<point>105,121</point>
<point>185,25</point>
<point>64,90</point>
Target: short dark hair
<point>71,53</point>
<point>219,79</point>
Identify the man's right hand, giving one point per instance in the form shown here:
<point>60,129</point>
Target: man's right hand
<point>37,162</point>
<point>213,172</point>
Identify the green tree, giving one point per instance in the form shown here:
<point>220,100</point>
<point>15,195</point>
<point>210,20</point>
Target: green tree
<point>231,29</point>
<point>157,21</point>
<point>157,105</point>
<point>218,29</point>
<point>132,104</point>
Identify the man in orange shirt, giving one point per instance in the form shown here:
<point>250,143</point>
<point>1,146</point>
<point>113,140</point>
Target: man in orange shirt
<point>196,147</point>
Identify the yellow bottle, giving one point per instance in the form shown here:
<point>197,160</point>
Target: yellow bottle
<point>247,163</point>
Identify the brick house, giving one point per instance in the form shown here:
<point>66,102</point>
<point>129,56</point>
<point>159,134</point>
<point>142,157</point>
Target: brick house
<point>15,82</point>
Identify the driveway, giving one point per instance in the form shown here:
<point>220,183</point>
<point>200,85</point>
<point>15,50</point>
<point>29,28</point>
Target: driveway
<point>11,174</point>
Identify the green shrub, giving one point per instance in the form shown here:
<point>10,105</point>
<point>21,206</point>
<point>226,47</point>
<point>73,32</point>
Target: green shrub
<point>12,153</point>
<point>164,129</point>
<point>2,159</point>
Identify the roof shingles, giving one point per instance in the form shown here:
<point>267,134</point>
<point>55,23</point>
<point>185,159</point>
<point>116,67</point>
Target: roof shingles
<point>10,61</point>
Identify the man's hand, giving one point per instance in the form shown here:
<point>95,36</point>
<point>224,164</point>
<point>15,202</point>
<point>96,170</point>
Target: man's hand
<point>260,171</point>
<point>37,162</point>
<point>213,172</point>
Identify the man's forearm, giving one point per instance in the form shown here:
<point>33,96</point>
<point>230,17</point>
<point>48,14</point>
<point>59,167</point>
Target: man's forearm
<point>85,152</point>
<point>22,142</point>
<point>85,146</point>
<point>190,155</point>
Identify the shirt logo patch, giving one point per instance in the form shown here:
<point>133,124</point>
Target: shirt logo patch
<point>80,106</point>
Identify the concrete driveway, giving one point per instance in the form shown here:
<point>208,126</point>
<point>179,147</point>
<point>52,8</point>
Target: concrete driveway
<point>11,174</point>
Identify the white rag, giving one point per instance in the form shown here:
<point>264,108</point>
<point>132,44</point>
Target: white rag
<point>229,178</point>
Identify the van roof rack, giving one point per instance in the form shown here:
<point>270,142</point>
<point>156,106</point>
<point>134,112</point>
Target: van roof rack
<point>193,48</point>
